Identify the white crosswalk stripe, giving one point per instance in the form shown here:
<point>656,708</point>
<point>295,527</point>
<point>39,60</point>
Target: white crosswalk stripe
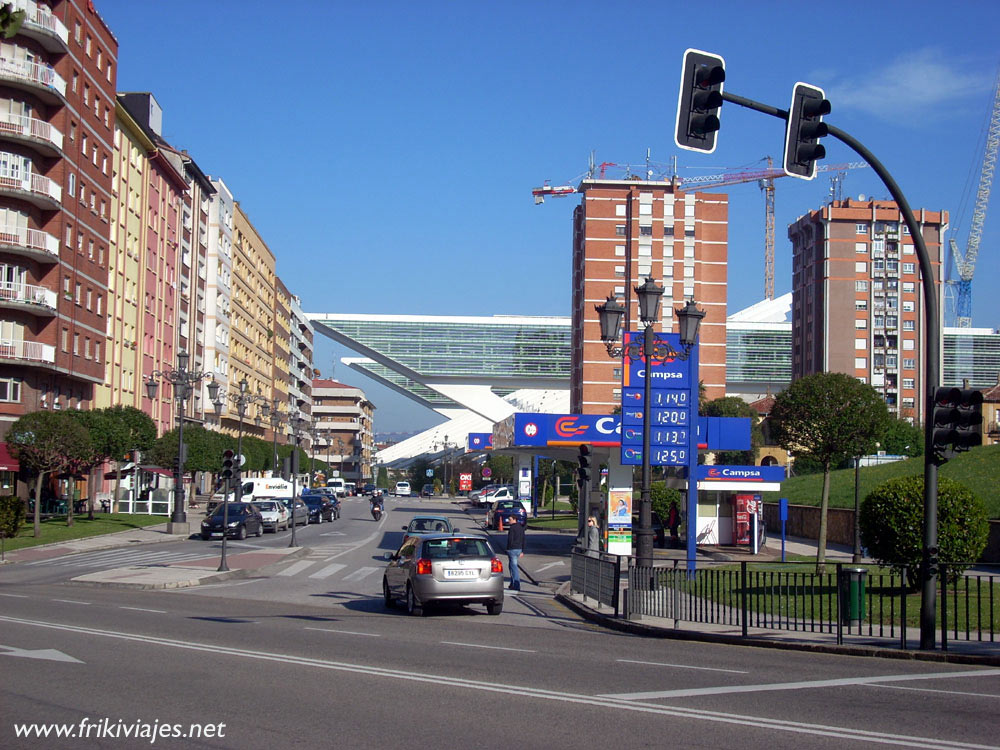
<point>360,574</point>
<point>296,567</point>
<point>328,571</point>
<point>119,558</point>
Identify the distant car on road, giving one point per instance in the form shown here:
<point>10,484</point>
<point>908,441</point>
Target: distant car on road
<point>275,515</point>
<point>402,489</point>
<point>427,490</point>
<point>506,492</point>
<point>300,513</point>
<point>430,525</point>
<point>320,508</point>
<point>457,568</point>
<point>502,509</point>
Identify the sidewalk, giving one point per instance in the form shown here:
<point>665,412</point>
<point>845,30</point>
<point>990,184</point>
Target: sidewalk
<point>162,575</point>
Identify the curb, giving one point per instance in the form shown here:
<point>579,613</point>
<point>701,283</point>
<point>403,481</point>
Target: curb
<point>652,631</point>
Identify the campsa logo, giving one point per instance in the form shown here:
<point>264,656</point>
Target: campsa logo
<point>570,427</point>
<point>725,473</point>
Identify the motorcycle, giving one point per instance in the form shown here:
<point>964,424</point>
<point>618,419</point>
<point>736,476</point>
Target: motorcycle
<point>377,508</point>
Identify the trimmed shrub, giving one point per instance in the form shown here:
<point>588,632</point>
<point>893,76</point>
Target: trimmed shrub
<point>892,523</point>
<point>661,496</point>
<point>11,515</point>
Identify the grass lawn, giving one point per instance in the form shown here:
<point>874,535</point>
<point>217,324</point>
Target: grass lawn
<point>54,529</point>
<point>978,469</point>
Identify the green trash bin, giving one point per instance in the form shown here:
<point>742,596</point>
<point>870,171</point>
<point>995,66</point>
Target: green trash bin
<point>853,609</point>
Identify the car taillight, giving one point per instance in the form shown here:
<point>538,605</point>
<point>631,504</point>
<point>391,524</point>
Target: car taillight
<point>423,567</point>
<point>496,566</point>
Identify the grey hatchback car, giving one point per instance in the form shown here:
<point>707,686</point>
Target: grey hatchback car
<point>456,568</point>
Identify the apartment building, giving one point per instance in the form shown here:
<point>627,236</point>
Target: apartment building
<point>219,282</point>
<point>300,365</point>
<point>857,300</point>
<point>623,232</point>
<point>343,423</point>
<point>57,104</point>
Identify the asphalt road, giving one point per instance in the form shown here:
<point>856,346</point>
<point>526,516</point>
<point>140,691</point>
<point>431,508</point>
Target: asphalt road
<point>313,660</point>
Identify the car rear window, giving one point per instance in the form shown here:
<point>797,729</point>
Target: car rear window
<point>451,549</point>
<point>269,505</point>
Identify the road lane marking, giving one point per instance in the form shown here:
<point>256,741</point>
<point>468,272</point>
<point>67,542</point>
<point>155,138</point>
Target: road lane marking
<point>931,690</point>
<point>345,632</point>
<point>360,573</point>
<point>143,609</point>
<point>680,666</point>
<point>768,687</point>
<point>329,570</point>
<point>16,596</point>
<point>495,648</point>
<point>550,565</point>
<point>295,567</point>
<point>71,601</point>
<point>713,716</point>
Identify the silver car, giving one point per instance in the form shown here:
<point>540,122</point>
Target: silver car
<point>275,514</point>
<point>457,568</point>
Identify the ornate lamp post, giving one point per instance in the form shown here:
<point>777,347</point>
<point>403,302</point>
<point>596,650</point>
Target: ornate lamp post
<point>272,412</point>
<point>650,349</point>
<point>183,382</point>
<point>241,401</point>
<point>340,454</point>
<point>295,424</point>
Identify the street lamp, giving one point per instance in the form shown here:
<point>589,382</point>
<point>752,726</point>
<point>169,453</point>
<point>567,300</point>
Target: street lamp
<point>241,401</point>
<point>295,424</point>
<point>650,350</point>
<point>272,412</point>
<point>183,382</point>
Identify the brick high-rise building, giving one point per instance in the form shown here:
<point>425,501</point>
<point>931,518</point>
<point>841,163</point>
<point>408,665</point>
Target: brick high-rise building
<point>57,119</point>
<point>857,303</point>
<point>623,232</point>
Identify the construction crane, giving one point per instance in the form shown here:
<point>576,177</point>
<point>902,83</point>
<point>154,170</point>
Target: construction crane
<point>958,292</point>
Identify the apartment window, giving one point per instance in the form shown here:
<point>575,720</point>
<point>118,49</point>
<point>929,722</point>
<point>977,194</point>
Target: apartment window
<point>908,306</point>
<point>97,351</point>
<point>891,321</point>
<point>860,304</point>
<point>90,249</point>
<point>908,383</point>
<point>10,390</point>
<point>861,323</point>
<point>71,184</point>
<point>689,231</point>
<point>908,325</point>
<point>90,298</point>
<point>620,210</point>
<point>86,94</point>
<point>645,209</point>
<point>646,231</point>
<point>909,364</point>
<point>890,361</point>
<point>860,363</point>
<point>79,293</point>
<point>908,286</point>
<point>86,348</point>
<point>909,345</point>
<point>668,230</point>
<point>861,248</point>
<point>78,32</point>
<point>909,268</point>
<point>860,267</point>
<point>620,230</point>
<point>861,286</point>
<point>620,272</point>
<point>879,321</point>
<point>65,339</point>
<point>620,251</point>
<point>87,48</point>
<point>100,305</point>
<point>76,344</point>
<point>861,344</point>
<point>69,235</point>
<point>861,228</point>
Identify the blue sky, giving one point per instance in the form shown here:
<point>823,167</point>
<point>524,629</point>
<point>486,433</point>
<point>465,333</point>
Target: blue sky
<point>386,151</point>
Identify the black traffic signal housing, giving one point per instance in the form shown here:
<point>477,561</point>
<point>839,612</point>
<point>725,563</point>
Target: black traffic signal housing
<point>583,472</point>
<point>699,101</point>
<point>228,465</point>
<point>957,417</point>
<point>804,129</point>
<point>969,419</point>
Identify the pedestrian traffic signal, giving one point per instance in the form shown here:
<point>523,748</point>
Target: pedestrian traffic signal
<point>584,470</point>
<point>699,101</point>
<point>804,129</point>
<point>227,464</point>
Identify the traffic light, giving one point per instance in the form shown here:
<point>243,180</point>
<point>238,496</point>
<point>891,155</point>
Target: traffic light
<point>584,470</point>
<point>969,420</point>
<point>227,465</point>
<point>804,129</point>
<point>958,420</point>
<point>699,101</point>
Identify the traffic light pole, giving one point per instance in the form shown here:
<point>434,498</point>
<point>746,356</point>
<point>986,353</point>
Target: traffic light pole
<point>932,368</point>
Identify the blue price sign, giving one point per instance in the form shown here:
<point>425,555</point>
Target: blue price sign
<point>677,417</point>
<point>632,435</point>
<point>660,397</point>
<point>659,456</point>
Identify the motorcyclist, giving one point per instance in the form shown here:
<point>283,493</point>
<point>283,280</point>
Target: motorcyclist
<point>376,502</point>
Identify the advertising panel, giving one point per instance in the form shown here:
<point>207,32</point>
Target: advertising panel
<point>619,522</point>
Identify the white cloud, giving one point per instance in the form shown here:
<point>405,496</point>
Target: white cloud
<point>924,83</point>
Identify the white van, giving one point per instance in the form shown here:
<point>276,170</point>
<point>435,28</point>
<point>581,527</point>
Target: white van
<point>256,489</point>
<point>338,485</point>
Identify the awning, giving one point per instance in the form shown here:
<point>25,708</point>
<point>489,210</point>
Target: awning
<point>7,463</point>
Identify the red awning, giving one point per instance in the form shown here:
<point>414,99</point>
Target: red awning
<point>6,462</point>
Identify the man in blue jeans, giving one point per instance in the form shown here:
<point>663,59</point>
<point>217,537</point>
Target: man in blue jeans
<point>515,547</point>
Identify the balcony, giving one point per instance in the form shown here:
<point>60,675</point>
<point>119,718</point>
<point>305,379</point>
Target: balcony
<point>29,243</point>
<point>34,188</point>
<point>27,351</point>
<point>42,26</point>
<point>31,131</point>
<point>38,300</point>
<point>41,80</point>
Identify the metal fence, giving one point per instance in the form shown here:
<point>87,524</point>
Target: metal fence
<point>597,576</point>
<point>846,599</point>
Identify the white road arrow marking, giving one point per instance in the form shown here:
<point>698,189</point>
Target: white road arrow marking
<point>50,654</point>
<point>550,565</point>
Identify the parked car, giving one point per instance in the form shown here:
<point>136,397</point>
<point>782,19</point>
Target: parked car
<point>300,514</point>
<point>476,494</point>
<point>330,495</point>
<point>506,492</point>
<point>320,508</point>
<point>275,515</point>
<point>457,568</point>
<point>427,490</point>
<point>402,489</point>
<point>351,489</point>
<point>237,522</point>
<point>502,509</point>
<point>429,525</point>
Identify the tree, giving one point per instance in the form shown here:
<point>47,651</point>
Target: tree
<point>134,430</point>
<point>10,20</point>
<point>733,406</point>
<point>46,443</point>
<point>903,439</point>
<point>829,416</point>
<point>892,525</point>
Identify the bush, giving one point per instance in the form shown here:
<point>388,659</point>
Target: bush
<point>11,515</point>
<point>661,496</point>
<point>892,525</point>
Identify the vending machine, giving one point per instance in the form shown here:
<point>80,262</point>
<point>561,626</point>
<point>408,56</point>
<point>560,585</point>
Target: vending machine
<point>743,507</point>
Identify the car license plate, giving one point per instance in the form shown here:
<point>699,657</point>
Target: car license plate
<point>460,573</point>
